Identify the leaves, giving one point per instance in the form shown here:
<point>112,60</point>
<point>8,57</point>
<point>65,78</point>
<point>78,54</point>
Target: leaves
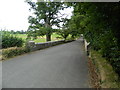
<point>45,17</point>
<point>11,41</point>
<point>99,23</point>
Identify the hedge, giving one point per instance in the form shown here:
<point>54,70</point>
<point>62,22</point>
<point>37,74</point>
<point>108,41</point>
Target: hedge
<point>11,41</point>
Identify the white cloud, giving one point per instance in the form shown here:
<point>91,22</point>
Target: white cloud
<point>14,14</point>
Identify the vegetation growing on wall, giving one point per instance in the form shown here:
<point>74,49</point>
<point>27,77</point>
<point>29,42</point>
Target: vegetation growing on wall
<point>99,23</point>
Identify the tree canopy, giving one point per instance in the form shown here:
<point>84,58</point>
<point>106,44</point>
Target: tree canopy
<point>46,15</point>
<point>99,23</point>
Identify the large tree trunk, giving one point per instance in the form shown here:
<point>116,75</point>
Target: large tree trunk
<point>48,34</point>
<point>48,37</point>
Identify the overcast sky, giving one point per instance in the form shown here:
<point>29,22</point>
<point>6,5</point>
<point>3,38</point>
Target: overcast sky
<point>14,14</point>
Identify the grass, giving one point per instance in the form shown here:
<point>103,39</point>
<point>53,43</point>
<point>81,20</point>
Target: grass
<point>23,36</point>
<point>109,79</point>
<point>13,51</point>
<point>39,39</point>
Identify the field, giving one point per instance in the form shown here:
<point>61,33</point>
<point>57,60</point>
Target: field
<point>39,39</point>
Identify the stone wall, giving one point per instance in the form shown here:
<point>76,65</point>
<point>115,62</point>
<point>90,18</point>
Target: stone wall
<point>37,46</point>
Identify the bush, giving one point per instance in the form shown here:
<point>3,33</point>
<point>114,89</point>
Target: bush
<point>11,41</point>
<point>13,51</point>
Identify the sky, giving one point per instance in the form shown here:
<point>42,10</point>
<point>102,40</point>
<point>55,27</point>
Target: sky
<point>14,14</point>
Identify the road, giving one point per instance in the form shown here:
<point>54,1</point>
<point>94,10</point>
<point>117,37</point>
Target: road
<point>62,66</point>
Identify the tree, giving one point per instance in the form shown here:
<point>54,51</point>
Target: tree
<point>64,33</point>
<point>74,26</point>
<point>100,26</point>
<point>46,15</point>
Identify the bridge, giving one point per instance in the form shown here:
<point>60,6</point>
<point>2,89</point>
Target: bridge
<point>61,66</point>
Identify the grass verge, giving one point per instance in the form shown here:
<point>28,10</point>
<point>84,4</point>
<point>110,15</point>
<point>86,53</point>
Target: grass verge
<point>103,74</point>
<point>13,51</point>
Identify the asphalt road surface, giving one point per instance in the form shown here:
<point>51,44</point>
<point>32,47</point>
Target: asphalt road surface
<point>62,66</point>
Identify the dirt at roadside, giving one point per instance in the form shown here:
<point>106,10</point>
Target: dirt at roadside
<point>94,78</point>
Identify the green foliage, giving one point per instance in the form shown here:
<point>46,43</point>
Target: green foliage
<point>39,38</point>
<point>64,33</point>
<point>13,32</point>
<point>45,17</point>
<point>99,23</point>
<point>108,76</point>
<point>13,51</point>
<point>17,32</point>
<point>11,41</point>
<point>73,26</point>
<point>33,32</point>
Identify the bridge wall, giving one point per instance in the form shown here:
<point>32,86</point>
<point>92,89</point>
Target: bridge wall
<point>37,46</point>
